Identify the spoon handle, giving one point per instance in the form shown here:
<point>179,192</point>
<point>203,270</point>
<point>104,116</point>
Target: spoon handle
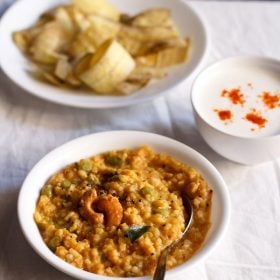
<point>161,265</point>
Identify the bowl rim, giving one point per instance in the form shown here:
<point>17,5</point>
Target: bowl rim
<point>216,63</point>
<point>167,142</point>
<point>117,102</point>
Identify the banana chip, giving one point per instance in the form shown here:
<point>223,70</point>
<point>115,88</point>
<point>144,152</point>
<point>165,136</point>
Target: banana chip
<point>42,74</point>
<point>102,29</point>
<point>99,7</point>
<point>108,67</point>
<point>91,43</point>
<point>20,38</point>
<point>146,34</point>
<point>63,69</point>
<point>72,81</point>
<point>152,18</point>
<point>166,57</point>
<point>128,87</point>
<point>143,73</point>
<point>81,45</point>
<point>63,16</point>
<point>48,42</point>
<point>82,65</point>
<point>135,47</point>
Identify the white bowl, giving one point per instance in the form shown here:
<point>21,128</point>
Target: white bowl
<point>236,141</point>
<point>15,65</point>
<point>105,141</point>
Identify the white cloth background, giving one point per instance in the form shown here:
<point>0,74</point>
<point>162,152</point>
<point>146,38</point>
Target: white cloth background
<point>29,128</point>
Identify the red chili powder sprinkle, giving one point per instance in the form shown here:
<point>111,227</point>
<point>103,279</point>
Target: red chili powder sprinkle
<point>234,95</point>
<point>270,100</point>
<point>256,118</point>
<point>224,115</point>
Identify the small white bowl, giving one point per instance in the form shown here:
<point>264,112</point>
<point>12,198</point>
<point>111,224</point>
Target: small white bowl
<point>239,140</point>
<point>15,64</point>
<point>97,143</point>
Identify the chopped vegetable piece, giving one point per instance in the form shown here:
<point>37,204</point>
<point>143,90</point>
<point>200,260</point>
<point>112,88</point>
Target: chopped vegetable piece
<point>113,161</point>
<point>163,212</point>
<point>66,184</point>
<point>47,190</point>
<point>147,191</point>
<point>135,232</point>
<point>85,165</point>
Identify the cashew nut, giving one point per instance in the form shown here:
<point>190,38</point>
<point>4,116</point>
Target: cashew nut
<point>87,211</point>
<point>108,206</point>
<point>111,207</point>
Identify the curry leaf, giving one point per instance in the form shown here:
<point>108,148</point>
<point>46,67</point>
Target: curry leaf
<point>136,232</point>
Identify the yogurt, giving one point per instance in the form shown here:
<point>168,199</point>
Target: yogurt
<point>240,97</point>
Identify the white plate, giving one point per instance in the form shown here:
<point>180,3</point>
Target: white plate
<point>25,12</point>
<point>97,143</point>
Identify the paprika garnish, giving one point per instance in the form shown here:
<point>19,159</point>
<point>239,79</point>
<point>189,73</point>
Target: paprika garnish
<point>224,115</point>
<point>234,95</point>
<point>270,100</point>
<point>255,117</point>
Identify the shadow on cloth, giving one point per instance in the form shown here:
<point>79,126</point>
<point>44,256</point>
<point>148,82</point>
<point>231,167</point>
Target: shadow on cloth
<point>41,113</point>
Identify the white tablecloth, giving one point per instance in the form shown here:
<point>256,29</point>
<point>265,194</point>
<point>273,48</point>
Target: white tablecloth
<point>31,127</point>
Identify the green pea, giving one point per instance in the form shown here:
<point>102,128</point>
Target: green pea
<point>114,161</point>
<point>163,212</point>
<point>147,191</point>
<point>47,190</point>
<point>66,184</point>
<point>85,165</point>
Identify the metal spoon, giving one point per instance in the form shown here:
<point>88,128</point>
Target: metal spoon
<point>161,264</point>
